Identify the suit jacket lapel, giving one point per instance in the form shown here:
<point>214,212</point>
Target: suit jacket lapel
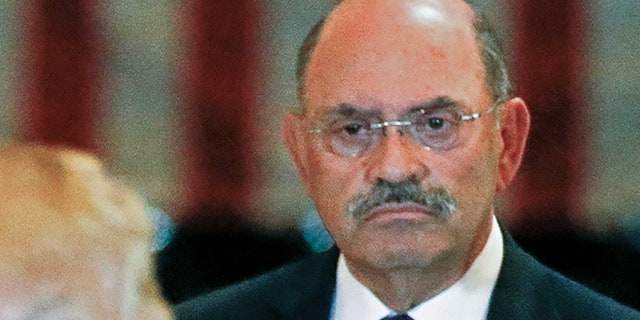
<point>519,292</point>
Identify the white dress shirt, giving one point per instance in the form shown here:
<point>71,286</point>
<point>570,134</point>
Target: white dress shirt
<point>467,299</point>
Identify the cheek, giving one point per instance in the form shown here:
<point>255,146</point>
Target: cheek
<point>333,184</point>
<point>471,175</point>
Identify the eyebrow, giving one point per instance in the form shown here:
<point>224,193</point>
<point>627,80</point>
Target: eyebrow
<point>345,110</point>
<point>439,103</point>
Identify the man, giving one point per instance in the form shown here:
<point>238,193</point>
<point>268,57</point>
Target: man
<point>75,243</point>
<point>407,132</point>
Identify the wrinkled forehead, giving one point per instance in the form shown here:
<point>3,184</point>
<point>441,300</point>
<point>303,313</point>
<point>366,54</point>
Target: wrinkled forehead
<point>398,53</point>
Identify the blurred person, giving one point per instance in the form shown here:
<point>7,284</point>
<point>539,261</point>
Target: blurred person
<point>407,132</point>
<point>75,243</point>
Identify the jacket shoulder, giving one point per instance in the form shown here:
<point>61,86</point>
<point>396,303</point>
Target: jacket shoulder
<point>575,301</point>
<point>526,289</point>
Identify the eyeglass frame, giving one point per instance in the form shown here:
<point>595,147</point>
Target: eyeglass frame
<point>408,123</point>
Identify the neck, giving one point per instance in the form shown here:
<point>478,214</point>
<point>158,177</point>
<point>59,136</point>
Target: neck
<point>401,289</point>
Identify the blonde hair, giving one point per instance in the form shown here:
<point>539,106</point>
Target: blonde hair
<point>72,235</point>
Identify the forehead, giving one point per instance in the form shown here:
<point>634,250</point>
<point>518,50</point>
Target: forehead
<point>394,54</point>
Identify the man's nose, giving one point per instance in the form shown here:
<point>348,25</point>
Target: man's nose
<point>396,158</point>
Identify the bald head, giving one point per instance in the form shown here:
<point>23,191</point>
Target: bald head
<point>436,22</point>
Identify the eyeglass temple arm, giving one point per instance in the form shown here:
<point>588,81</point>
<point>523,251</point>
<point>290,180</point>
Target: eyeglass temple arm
<point>477,115</point>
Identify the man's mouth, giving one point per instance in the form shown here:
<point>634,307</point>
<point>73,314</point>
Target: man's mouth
<point>400,211</point>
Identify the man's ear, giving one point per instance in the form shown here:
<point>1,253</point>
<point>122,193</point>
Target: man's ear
<point>293,134</point>
<point>514,129</point>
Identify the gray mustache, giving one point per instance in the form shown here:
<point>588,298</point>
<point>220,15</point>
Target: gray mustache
<point>436,199</point>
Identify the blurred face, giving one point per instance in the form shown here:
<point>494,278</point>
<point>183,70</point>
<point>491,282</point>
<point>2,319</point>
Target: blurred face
<point>404,197</point>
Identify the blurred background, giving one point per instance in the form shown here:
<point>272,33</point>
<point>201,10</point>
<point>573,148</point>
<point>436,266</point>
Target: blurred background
<point>184,99</point>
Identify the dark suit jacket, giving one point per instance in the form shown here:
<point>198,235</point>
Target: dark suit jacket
<point>304,290</point>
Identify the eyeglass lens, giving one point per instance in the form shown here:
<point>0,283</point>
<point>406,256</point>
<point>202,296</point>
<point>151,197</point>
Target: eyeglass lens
<point>438,130</point>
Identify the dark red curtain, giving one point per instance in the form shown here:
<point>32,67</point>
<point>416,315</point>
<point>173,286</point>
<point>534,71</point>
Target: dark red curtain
<point>220,101</point>
<point>62,51</point>
<point>548,70</point>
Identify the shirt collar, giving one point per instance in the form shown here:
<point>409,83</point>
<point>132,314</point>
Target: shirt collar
<point>354,301</point>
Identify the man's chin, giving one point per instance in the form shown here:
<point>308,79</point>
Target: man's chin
<point>405,250</point>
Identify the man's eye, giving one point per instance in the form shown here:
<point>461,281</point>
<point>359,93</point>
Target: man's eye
<point>353,128</point>
<point>349,128</point>
<point>436,123</point>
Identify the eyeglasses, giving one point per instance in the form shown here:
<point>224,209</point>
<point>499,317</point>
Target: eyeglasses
<point>438,129</point>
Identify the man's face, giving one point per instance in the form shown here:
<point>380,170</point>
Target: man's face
<point>387,59</point>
